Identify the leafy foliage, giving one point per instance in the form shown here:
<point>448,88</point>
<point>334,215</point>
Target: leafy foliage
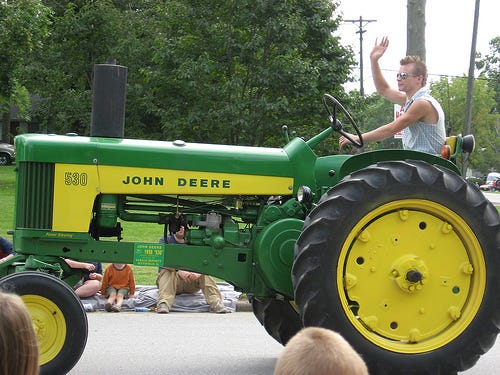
<point>62,75</point>
<point>204,71</point>
<point>371,112</point>
<point>485,123</point>
<point>23,26</point>
<point>232,72</point>
<point>490,67</point>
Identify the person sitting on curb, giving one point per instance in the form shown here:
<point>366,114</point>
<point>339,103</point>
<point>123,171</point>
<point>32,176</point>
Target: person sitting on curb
<point>90,283</point>
<point>118,283</point>
<point>6,249</point>
<point>171,282</point>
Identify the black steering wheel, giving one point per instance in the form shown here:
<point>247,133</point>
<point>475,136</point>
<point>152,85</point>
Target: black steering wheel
<point>336,124</point>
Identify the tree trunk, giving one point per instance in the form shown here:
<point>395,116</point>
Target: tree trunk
<point>415,28</point>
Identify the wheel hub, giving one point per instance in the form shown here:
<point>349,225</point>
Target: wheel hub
<point>409,273</point>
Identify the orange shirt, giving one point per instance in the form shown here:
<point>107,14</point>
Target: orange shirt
<point>118,279</point>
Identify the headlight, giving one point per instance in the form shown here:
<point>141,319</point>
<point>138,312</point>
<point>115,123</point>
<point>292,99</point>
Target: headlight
<point>305,195</point>
<point>468,143</point>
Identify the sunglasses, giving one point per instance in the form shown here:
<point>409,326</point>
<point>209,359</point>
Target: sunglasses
<point>404,75</point>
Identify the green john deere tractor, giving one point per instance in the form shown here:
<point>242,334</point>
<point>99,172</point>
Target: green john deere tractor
<point>391,248</point>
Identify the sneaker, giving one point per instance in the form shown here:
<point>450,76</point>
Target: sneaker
<point>116,308</point>
<point>88,307</point>
<point>107,307</point>
<point>219,308</point>
<point>162,308</point>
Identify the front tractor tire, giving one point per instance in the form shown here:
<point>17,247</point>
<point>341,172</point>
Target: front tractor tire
<point>58,317</point>
<point>402,258</point>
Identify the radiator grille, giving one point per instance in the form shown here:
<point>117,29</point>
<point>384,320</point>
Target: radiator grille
<point>35,195</point>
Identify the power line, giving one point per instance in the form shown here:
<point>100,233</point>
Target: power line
<point>447,75</point>
<point>361,23</point>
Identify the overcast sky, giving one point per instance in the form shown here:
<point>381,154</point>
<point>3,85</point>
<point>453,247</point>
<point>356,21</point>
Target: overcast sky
<point>448,39</point>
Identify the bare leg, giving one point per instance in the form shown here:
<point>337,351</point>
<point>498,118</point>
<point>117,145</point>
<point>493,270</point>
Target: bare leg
<point>119,300</point>
<point>88,289</point>
<point>110,301</point>
<point>112,298</point>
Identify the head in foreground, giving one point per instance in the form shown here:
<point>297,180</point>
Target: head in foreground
<point>18,341</point>
<point>319,351</point>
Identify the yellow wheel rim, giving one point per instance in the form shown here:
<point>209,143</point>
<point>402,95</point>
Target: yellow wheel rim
<point>412,276</point>
<point>49,323</point>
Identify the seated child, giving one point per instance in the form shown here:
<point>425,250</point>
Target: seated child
<point>118,283</point>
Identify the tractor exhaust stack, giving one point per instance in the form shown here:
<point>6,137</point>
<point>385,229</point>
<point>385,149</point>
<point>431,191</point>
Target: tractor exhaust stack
<point>108,100</point>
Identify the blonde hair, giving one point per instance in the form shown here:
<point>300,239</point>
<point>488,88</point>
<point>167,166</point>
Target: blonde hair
<point>18,341</point>
<point>319,351</point>
<point>419,64</point>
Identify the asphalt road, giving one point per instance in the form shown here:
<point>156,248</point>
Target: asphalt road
<point>192,344</point>
<point>177,344</point>
<point>493,197</point>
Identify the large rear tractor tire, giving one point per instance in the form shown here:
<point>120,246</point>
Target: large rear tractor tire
<point>403,259</point>
<point>279,318</point>
<point>58,317</point>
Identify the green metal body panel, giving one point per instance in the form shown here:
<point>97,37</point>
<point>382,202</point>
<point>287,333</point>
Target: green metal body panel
<point>246,239</point>
<point>152,154</point>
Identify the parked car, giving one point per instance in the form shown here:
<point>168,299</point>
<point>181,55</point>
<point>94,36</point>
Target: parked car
<point>486,187</point>
<point>7,154</point>
<point>492,182</point>
<point>491,186</point>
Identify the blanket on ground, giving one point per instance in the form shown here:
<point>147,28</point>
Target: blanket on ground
<point>146,296</point>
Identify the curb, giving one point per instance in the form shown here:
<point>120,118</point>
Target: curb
<point>243,306</point>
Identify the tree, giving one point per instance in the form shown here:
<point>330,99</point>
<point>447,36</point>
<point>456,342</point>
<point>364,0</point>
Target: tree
<point>205,71</point>
<point>370,112</point>
<point>485,122</point>
<point>141,27</point>
<point>23,26</point>
<point>82,35</point>
<point>415,34</point>
<point>490,69</point>
<point>234,72</point>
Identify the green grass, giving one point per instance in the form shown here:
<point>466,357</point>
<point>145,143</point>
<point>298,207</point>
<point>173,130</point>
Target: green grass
<point>7,190</point>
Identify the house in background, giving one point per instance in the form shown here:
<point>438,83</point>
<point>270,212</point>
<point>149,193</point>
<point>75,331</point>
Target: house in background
<point>12,124</point>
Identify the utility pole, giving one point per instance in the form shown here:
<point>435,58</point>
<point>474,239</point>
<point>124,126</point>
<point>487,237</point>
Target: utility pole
<point>361,24</point>
<point>470,81</point>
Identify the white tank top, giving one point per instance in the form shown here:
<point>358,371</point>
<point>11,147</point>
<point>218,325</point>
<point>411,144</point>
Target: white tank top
<point>420,136</point>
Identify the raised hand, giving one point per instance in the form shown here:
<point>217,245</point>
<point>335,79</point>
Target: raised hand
<point>379,48</point>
